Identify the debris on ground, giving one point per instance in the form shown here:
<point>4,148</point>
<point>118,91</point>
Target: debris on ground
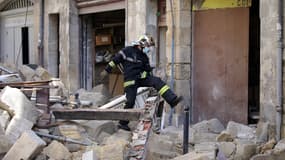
<point>37,111</point>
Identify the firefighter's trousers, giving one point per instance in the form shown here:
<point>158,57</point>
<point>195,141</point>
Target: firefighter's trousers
<point>150,81</point>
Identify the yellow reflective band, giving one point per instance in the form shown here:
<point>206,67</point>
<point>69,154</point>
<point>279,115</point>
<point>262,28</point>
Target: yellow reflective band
<point>143,75</point>
<point>112,64</point>
<point>163,90</point>
<point>128,83</point>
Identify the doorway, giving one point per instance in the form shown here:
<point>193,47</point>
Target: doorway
<point>254,64</point>
<point>25,45</point>
<point>103,35</point>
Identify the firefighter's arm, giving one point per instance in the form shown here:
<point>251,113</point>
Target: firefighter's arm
<point>114,62</point>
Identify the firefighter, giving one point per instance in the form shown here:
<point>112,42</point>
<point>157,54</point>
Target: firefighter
<point>137,73</point>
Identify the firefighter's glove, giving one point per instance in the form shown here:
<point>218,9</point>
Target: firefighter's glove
<point>103,75</point>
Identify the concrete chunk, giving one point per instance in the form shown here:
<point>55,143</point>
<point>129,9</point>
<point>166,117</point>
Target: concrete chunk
<point>16,127</point>
<point>18,102</point>
<point>56,150</point>
<point>26,147</point>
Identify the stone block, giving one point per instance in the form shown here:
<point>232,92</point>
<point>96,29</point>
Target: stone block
<point>245,149</point>
<point>199,137</point>
<point>27,73</point>
<point>119,135</point>
<point>205,147</point>
<point>56,150</point>
<point>227,148</point>
<point>240,131</point>
<point>16,127</point>
<point>43,74</point>
<point>26,147</point>
<point>89,155</point>
<point>70,131</point>
<point>18,102</point>
<point>211,126</point>
<point>224,136</point>
<point>95,128</point>
<point>5,144</point>
<point>117,150</point>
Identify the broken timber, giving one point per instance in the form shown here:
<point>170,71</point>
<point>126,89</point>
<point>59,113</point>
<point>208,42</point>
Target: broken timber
<point>99,114</point>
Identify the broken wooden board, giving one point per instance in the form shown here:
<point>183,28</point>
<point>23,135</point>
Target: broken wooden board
<point>99,114</point>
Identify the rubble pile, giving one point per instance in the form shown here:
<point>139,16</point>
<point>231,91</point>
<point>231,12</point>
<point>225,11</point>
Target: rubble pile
<point>28,127</point>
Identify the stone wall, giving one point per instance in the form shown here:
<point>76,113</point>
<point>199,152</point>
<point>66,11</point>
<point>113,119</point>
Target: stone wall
<point>182,46</point>
<point>68,39</point>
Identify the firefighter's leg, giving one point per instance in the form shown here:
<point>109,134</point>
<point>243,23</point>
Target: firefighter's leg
<point>131,91</point>
<point>163,89</point>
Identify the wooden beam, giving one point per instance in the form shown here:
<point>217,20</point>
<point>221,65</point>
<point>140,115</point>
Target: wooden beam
<point>99,114</point>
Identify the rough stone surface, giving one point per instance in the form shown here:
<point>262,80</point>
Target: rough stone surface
<point>5,144</point>
<point>57,88</point>
<point>210,126</point>
<point>227,148</point>
<point>95,128</point>
<point>56,150</point>
<point>26,147</point>
<point>245,150</point>
<point>18,102</point>
<point>269,156</point>
<point>224,136</point>
<point>16,127</point>
<point>240,131</point>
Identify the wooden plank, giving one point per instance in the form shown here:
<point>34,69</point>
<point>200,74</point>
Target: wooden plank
<point>99,114</point>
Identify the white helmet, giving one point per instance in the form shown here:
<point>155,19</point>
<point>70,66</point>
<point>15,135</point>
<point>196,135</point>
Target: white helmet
<point>144,41</point>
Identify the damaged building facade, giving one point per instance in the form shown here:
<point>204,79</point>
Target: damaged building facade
<point>225,57</point>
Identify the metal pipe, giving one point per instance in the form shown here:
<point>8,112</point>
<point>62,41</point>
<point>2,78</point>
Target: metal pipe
<point>186,130</point>
<point>172,60</point>
<point>191,63</point>
<point>279,106</point>
<point>62,138</point>
<point>41,34</point>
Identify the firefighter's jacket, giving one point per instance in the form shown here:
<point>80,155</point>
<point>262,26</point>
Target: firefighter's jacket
<point>134,62</point>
